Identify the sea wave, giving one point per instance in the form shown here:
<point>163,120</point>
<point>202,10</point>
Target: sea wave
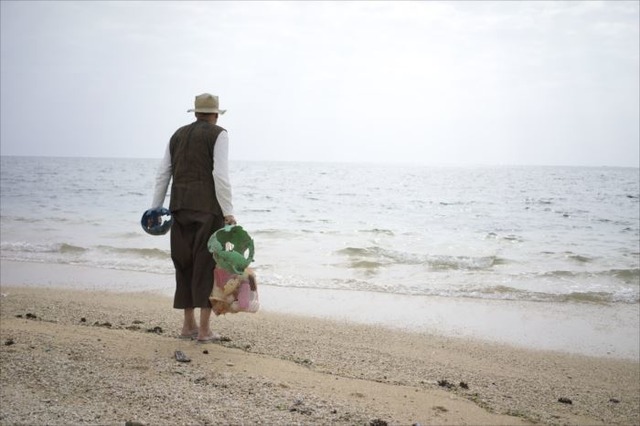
<point>510,293</point>
<point>66,248</point>
<point>139,252</point>
<point>387,232</point>
<point>17,247</point>
<point>628,276</point>
<point>158,261</point>
<point>498,292</point>
<point>274,233</point>
<point>379,256</point>
<point>127,235</point>
<point>103,256</point>
<point>69,248</point>
<point>378,269</point>
<point>579,258</point>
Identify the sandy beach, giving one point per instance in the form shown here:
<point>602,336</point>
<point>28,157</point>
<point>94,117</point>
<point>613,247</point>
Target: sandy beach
<point>88,357</point>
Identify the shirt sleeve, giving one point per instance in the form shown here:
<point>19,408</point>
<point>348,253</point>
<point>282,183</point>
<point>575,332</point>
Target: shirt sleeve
<point>221,173</point>
<point>163,176</point>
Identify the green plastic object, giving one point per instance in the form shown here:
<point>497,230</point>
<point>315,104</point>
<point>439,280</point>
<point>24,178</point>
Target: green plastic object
<point>232,248</point>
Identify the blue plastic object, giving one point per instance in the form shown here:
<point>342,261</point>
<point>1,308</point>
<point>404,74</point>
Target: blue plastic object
<point>156,221</point>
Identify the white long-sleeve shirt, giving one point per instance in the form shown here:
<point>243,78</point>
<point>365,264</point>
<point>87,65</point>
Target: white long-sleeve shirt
<point>220,175</point>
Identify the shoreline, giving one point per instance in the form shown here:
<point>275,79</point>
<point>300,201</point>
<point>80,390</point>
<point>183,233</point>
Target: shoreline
<point>87,357</point>
<point>577,328</point>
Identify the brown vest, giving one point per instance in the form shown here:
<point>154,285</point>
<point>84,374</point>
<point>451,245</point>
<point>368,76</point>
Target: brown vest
<point>191,150</point>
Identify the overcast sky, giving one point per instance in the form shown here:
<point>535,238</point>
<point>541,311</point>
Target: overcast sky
<point>454,83</point>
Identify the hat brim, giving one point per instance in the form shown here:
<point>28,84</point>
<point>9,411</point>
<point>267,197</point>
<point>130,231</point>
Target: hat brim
<point>208,110</point>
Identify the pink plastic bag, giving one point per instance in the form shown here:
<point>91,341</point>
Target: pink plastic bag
<point>234,293</point>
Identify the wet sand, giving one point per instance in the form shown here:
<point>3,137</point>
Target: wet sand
<point>611,331</point>
<point>92,357</point>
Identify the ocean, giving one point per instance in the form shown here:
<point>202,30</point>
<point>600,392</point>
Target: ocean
<point>540,257</point>
<point>554,234</point>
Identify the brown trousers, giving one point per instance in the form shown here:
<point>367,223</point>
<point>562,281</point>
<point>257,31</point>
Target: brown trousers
<point>192,260</point>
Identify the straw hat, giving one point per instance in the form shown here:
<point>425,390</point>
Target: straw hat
<point>208,104</point>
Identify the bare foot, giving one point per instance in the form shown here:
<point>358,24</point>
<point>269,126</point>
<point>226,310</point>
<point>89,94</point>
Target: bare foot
<point>189,334</point>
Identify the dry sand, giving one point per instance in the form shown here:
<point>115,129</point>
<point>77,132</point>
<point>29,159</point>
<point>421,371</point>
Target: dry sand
<point>74,357</point>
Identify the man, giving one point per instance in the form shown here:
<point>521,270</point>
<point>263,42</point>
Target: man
<point>196,159</point>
